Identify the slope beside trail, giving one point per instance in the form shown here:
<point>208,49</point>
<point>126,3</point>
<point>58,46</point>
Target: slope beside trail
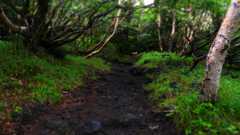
<point>114,105</point>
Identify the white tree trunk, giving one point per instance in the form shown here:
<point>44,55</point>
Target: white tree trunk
<point>173,30</point>
<point>159,32</point>
<point>140,23</point>
<point>218,52</point>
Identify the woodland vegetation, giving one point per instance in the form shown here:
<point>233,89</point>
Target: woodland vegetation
<point>44,46</point>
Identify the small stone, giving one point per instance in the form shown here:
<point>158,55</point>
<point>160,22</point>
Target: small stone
<point>96,126</point>
<point>93,128</point>
<point>129,120</point>
<point>53,124</point>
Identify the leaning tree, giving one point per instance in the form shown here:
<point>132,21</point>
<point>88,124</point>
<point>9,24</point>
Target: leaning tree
<point>218,52</point>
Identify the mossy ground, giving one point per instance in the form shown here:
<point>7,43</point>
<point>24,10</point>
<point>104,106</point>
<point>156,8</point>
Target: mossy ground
<point>25,77</point>
<point>176,88</point>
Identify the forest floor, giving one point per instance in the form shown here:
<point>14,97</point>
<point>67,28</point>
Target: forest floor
<point>115,104</point>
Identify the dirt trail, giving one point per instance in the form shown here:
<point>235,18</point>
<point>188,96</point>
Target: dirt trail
<point>115,105</point>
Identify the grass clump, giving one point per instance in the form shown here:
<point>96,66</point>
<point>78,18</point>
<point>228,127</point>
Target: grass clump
<point>177,88</point>
<point>40,79</point>
<point>158,58</point>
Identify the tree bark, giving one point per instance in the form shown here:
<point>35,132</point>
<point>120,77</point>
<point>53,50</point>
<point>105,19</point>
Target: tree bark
<point>159,32</point>
<point>9,25</point>
<point>140,23</point>
<point>116,22</point>
<point>173,30</point>
<point>38,25</point>
<point>218,52</point>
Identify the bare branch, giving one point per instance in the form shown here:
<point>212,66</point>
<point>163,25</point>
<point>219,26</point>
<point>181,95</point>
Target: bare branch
<point>26,5</point>
<point>109,29</point>
<point>235,39</point>
<point>15,8</point>
<point>52,14</point>
<point>231,73</point>
<point>237,45</point>
<point>196,61</point>
<point>116,21</point>
<point>9,25</point>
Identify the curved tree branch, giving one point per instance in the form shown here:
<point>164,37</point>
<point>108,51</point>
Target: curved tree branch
<point>116,21</point>
<point>9,25</point>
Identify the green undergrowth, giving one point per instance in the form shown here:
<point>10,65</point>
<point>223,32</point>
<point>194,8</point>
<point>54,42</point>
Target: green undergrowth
<point>40,79</point>
<point>160,58</point>
<point>176,88</point>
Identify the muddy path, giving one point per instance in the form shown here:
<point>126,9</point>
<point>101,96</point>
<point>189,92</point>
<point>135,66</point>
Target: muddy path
<point>114,105</point>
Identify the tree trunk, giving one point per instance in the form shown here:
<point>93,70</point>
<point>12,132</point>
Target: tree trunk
<point>218,52</point>
<point>173,30</point>
<point>140,23</point>
<point>38,25</point>
<point>188,30</point>
<point>159,32</point>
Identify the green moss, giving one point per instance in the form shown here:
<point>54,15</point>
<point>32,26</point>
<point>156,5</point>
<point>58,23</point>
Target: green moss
<point>40,79</point>
<point>157,59</point>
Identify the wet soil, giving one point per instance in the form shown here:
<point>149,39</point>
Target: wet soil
<point>116,104</point>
